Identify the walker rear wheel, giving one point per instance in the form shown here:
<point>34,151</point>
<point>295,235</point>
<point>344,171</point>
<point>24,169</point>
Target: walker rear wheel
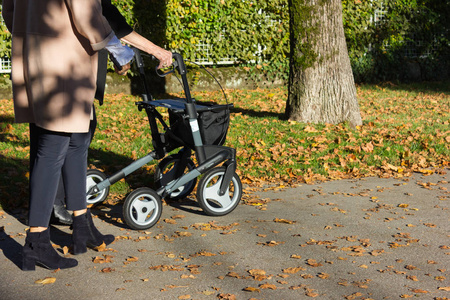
<point>93,177</point>
<point>165,173</point>
<point>142,208</point>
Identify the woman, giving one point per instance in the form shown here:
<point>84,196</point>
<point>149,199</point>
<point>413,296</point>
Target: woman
<point>54,62</point>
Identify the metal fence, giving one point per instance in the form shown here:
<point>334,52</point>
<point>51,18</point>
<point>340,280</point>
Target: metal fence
<point>5,65</point>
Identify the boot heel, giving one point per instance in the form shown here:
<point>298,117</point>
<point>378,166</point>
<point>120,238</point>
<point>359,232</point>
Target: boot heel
<point>79,249</point>
<point>28,264</point>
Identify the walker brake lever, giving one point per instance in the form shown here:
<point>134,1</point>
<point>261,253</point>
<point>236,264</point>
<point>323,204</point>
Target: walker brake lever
<point>163,74</point>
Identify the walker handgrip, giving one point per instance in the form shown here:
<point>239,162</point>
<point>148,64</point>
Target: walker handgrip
<point>179,63</point>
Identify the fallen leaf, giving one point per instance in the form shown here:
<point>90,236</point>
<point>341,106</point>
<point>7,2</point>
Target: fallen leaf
<point>107,270</point>
<point>323,275</point>
<point>233,274</point>
<point>293,270</point>
<point>132,259</point>
<point>353,296</point>
<point>252,289</point>
<point>313,263</point>
<point>419,291</point>
<point>268,286</point>
<point>227,296</point>
<point>46,280</point>
<point>311,293</point>
<point>100,248</point>
<point>411,267</point>
<point>277,220</point>
<point>178,216</point>
<point>208,293</point>
<point>411,277</point>
<point>255,272</point>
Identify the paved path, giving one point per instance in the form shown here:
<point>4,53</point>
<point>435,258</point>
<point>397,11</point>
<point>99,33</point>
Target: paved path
<point>351,239</point>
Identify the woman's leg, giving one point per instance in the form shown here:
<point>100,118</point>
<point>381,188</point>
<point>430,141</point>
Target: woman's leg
<point>74,174</point>
<point>59,209</point>
<point>47,153</point>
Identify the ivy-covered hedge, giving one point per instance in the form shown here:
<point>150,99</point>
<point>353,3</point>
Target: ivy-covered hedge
<point>256,33</point>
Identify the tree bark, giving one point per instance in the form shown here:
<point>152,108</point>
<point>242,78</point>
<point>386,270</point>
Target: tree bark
<point>321,84</point>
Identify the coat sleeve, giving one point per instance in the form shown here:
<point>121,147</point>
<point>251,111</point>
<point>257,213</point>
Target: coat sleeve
<point>89,22</point>
<point>7,13</point>
<point>115,19</point>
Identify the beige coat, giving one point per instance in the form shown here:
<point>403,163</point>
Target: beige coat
<point>54,60</point>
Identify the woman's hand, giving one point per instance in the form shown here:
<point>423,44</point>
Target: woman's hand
<point>124,69</point>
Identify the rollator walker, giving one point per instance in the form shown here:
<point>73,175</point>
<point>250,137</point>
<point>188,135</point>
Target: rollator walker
<point>194,127</point>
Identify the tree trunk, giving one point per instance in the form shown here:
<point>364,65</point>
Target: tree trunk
<point>321,84</point>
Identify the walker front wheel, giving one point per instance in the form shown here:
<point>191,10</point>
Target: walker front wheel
<point>93,177</point>
<point>142,208</point>
<point>208,196</point>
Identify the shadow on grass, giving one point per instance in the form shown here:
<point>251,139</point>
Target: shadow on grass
<point>435,87</point>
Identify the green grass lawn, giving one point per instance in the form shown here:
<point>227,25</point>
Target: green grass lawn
<point>405,129</point>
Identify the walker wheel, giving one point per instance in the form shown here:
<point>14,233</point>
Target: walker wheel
<point>165,174</point>
<point>93,177</point>
<point>208,196</point>
<point>142,208</point>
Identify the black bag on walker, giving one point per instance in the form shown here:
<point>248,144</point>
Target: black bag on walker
<point>213,122</point>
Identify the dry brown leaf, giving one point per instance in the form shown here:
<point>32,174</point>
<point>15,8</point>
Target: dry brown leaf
<point>353,296</point>
<point>411,267</point>
<point>255,272</point>
<point>277,220</point>
<point>252,289</point>
<point>411,277</point>
<point>293,270</point>
<point>444,288</point>
<point>227,296</point>
<point>377,252</point>
<point>311,293</point>
<point>132,259</point>
<point>313,263</point>
<point>233,274</point>
<point>419,291</point>
<point>170,221</point>
<point>178,216</point>
<point>100,248</point>
<point>268,286</point>
<point>107,270</point>
<point>208,293</point>
<point>46,280</point>
<point>184,297</point>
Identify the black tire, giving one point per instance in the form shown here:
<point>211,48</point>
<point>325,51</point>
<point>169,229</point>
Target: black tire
<point>93,177</point>
<point>165,174</point>
<point>208,197</point>
<point>142,208</point>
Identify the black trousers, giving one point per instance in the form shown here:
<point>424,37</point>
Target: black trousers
<point>61,191</point>
<point>56,155</point>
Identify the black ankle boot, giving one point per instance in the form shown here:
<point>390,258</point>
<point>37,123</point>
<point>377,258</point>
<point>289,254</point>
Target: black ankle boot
<point>39,251</point>
<point>61,215</point>
<point>85,234</point>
